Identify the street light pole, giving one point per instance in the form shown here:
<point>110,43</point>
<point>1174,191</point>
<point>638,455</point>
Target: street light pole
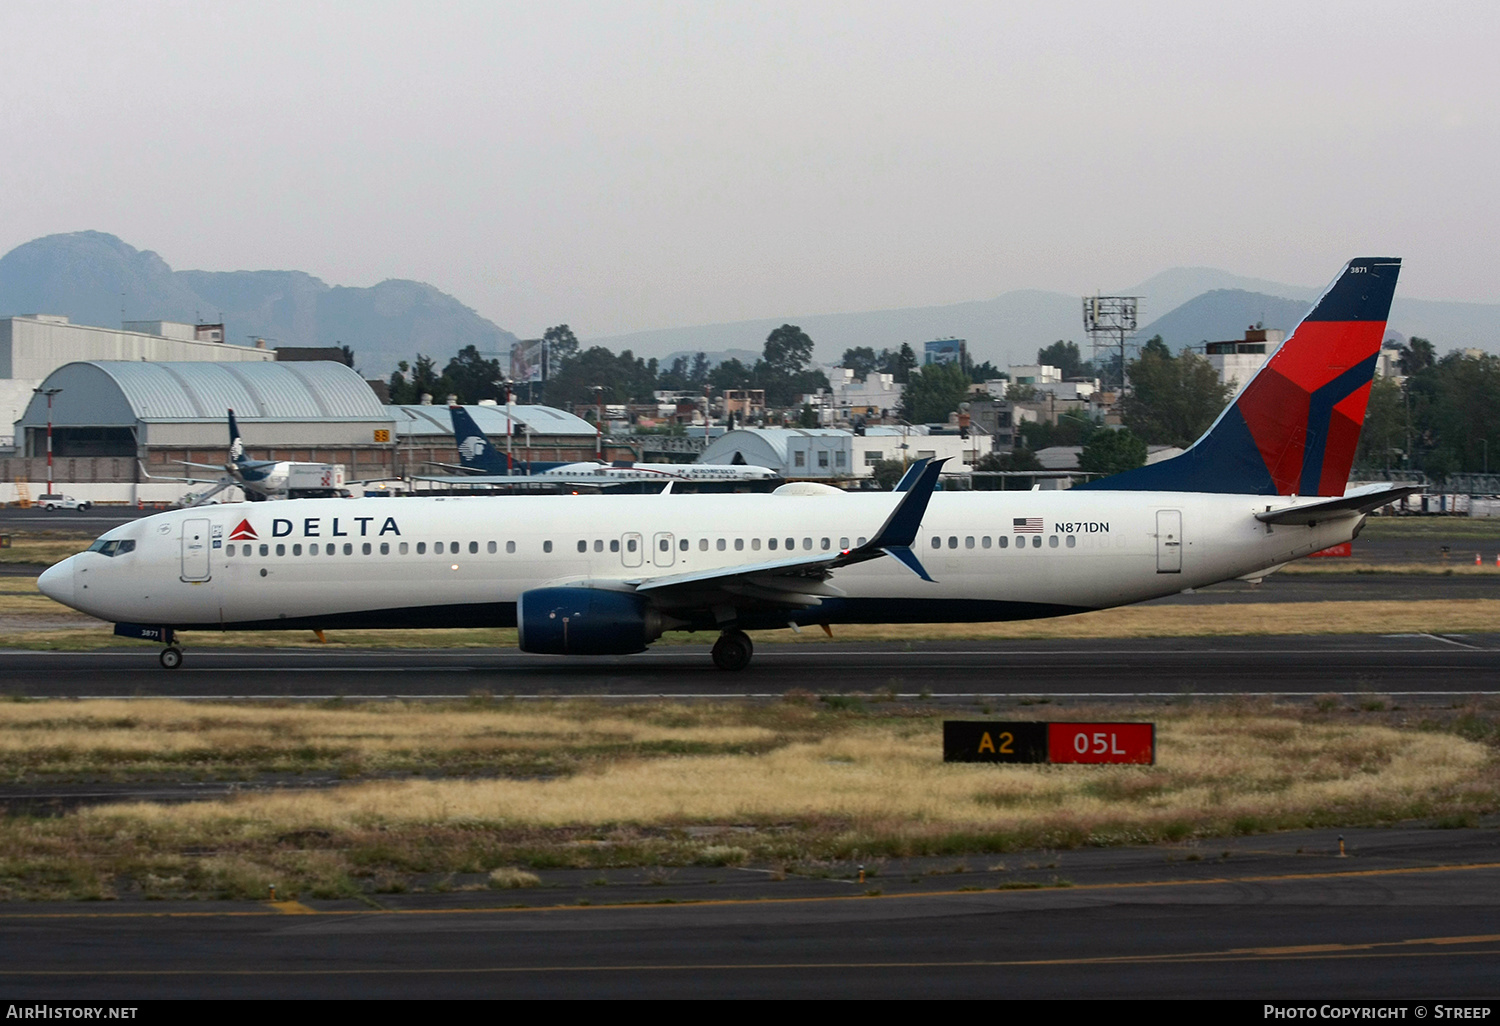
<point>49,393</point>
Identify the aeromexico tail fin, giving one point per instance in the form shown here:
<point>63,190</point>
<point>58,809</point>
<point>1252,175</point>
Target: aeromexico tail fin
<point>474,449</point>
<point>1294,426</point>
<point>236,446</point>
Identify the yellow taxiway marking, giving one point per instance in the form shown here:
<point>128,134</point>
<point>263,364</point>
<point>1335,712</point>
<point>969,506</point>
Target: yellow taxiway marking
<point>297,908</point>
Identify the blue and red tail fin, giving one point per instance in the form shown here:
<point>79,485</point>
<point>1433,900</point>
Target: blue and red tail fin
<point>1294,426</point>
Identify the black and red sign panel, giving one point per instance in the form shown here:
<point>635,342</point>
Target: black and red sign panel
<point>988,741</point>
<point>1056,743</point>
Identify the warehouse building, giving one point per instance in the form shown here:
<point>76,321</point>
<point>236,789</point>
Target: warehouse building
<point>122,428</point>
<point>817,454</point>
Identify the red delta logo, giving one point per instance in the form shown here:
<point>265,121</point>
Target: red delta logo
<point>243,532</point>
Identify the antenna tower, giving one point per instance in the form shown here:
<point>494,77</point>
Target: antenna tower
<point>1110,321</point>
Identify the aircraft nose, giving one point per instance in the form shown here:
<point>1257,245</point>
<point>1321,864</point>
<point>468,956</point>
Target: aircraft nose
<point>56,582</point>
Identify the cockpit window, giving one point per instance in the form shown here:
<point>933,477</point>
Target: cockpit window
<point>113,547</point>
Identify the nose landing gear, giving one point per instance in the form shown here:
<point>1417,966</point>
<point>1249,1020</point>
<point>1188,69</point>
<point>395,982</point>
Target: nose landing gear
<point>171,658</point>
<point>733,650</point>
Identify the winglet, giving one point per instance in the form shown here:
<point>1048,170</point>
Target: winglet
<point>908,557</point>
<point>899,531</point>
<point>910,477</point>
<point>900,528</point>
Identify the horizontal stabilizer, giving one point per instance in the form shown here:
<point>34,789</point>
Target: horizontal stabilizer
<point>1356,503</point>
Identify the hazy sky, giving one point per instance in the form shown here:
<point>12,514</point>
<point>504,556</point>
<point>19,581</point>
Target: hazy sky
<point>630,165</point>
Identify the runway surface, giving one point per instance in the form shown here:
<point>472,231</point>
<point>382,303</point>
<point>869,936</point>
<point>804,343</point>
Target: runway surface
<point>1409,914</point>
<point>1437,667</point>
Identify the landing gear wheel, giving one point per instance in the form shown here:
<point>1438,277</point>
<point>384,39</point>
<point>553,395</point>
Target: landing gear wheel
<point>171,658</point>
<point>733,650</point>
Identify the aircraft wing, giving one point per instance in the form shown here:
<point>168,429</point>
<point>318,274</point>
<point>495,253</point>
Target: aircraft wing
<point>1353,504</point>
<point>185,480</point>
<point>801,581</point>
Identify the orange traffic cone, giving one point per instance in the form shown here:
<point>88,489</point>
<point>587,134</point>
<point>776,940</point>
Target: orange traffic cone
<point>1477,560</point>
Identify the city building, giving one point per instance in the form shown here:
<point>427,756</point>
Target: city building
<point>812,454</point>
<point>1237,360</point>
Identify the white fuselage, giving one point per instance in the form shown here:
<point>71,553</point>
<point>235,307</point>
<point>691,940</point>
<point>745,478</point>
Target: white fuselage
<point>463,560</point>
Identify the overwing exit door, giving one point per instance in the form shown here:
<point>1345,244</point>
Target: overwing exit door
<point>1169,541</point>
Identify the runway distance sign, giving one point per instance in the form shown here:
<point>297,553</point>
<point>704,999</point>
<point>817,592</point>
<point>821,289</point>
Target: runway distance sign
<point>1033,742</point>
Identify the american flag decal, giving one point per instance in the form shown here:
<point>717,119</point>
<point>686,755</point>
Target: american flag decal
<point>1027,525</point>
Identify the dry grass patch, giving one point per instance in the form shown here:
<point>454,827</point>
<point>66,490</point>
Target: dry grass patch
<point>890,781</point>
<point>105,737</point>
<point>672,784</point>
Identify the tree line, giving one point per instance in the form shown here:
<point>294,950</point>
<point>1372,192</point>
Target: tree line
<point>580,376</point>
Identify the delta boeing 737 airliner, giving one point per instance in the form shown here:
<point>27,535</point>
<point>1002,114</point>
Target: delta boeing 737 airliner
<point>604,575</point>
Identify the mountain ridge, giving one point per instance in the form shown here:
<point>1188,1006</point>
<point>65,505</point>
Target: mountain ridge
<point>82,275</point>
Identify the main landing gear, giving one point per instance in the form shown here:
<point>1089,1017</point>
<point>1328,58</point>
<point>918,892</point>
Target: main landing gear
<point>733,650</point>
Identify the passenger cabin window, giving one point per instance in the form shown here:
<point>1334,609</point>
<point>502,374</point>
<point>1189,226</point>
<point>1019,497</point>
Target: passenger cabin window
<point>583,546</point>
<point>984,542</point>
<point>296,550</point>
<point>365,549</point>
<point>265,550</point>
<point>421,548</point>
<point>703,545</point>
<point>683,545</point>
<point>510,546</point>
<point>755,544</point>
<point>228,549</point>
<point>614,545</point>
<point>348,548</point>
<point>403,547</point>
<point>720,545</point>
<point>385,548</point>
<point>771,544</point>
<point>437,547</point>
<point>490,548</point>
<point>1003,541</point>
<point>473,548</point>
<point>546,546</point>
<point>598,545</point>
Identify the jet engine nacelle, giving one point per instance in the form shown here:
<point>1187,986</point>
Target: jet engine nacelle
<point>585,621</point>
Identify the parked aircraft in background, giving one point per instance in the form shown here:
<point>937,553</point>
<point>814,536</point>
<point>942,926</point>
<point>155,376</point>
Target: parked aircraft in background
<point>264,479</point>
<point>607,574</point>
<point>487,465</point>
